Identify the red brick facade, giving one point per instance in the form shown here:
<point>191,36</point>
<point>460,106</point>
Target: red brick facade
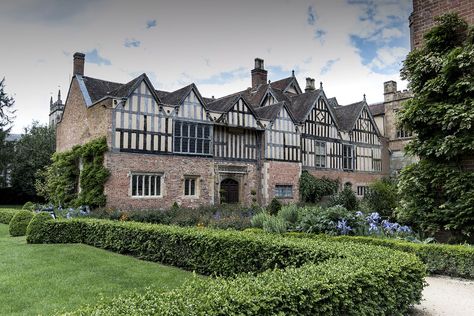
<point>424,12</point>
<point>280,173</point>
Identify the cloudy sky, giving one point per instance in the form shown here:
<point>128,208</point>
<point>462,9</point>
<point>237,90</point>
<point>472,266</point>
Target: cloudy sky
<point>352,46</point>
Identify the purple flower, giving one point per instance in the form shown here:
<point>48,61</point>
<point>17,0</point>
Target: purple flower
<point>404,229</point>
<point>217,215</point>
<point>373,227</point>
<point>373,217</point>
<point>343,227</point>
<point>359,214</point>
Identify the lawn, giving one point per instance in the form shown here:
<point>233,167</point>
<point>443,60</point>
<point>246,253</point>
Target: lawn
<point>41,279</point>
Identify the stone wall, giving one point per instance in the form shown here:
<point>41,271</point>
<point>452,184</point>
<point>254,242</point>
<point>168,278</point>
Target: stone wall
<point>424,12</point>
<point>80,124</point>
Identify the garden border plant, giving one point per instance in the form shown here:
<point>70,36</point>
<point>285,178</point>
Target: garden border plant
<point>264,274</point>
<point>19,223</point>
<point>6,215</point>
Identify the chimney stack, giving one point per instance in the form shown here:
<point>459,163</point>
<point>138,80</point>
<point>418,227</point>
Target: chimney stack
<point>309,85</point>
<point>259,74</point>
<point>78,65</point>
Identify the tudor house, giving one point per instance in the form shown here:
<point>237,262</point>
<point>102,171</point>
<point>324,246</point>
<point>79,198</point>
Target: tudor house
<point>250,146</point>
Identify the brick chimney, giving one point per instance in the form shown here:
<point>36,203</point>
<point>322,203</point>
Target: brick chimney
<point>309,85</point>
<point>78,65</point>
<point>259,74</point>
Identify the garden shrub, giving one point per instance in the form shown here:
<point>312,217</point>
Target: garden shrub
<point>290,214</point>
<point>259,218</point>
<point>303,277</point>
<point>274,224</point>
<point>345,198</point>
<point>6,215</point>
<point>312,189</point>
<point>19,223</point>
<point>324,220</point>
<point>29,206</point>
<point>35,230</point>
<point>274,207</point>
<point>382,197</point>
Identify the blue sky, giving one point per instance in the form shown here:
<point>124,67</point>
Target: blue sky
<point>352,46</point>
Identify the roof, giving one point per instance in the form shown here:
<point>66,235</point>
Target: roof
<point>377,109</point>
<point>302,103</point>
<point>178,96</point>
<point>223,104</point>
<point>269,112</point>
<point>347,115</point>
<point>98,88</point>
<point>333,102</point>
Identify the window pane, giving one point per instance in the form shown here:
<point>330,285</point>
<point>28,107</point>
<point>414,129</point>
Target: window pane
<point>177,129</point>
<point>193,186</point>
<point>192,145</point>
<point>185,129</point>
<point>134,185</point>
<point>206,146</point>
<point>140,185</point>
<point>152,185</point>
<point>186,187</point>
<point>177,144</point>
<point>147,185</point>
<point>206,131</point>
<point>199,131</point>
<point>184,146</point>
<point>192,130</point>
<point>199,146</point>
<point>158,185</point>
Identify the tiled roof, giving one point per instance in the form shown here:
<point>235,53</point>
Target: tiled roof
<point>377,109</point>
<point>98,88</point>
<point>333,102</point>
<point>269,112</point>
<point>223,104</point>
<point>178,96</point>
<point>301,104</point>
<point>346,115</point>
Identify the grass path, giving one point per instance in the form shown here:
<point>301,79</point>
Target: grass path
<point>40,279</point>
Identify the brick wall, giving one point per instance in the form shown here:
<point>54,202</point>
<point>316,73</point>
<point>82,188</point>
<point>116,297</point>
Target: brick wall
<point>424,11</point>
<point>280,173</point>
<point>173,168</point>
<point>355,178</point>
<point>79,124</point>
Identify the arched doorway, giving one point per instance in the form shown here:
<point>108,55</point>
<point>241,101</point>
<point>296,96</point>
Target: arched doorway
<point>229,191</point>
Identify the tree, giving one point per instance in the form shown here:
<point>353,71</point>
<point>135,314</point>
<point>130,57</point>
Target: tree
<point>32,152</point>
<point>437,193</point>
<point>6,118</point>
<point>382,197</point>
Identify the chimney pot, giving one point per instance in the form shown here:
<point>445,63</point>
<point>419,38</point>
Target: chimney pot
<point>259,74</point>
<point>309,85</point>
<point>78,64</point>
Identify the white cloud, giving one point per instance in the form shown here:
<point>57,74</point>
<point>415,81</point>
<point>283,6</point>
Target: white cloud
<point>389,57</point>
<point>192,41</point>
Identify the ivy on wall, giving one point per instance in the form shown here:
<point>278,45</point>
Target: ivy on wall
<point>312,189</point>
<point>76,177</point>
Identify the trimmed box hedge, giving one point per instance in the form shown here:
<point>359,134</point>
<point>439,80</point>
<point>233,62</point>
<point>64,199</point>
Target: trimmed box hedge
<point>264,274</point>
<point>452,260</point>
<point>6,215</point>
<point>19,223</point>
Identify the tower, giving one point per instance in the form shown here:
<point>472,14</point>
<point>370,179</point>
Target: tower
<point>55,110</point>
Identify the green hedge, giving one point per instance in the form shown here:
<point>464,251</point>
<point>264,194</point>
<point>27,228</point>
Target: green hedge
<point>6,215</point>
<point>451,260</point>
<point>19,223</point>
<point>267,274</point>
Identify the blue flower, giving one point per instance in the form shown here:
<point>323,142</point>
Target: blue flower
<point>373,217</point>
<point>404,229</point>
<point>373,227</point>
<point>359,214</point>
<point>343,227</point>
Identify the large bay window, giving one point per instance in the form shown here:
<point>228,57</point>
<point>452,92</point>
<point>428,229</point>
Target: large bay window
<point>192,138</point>
<point>347,157</point>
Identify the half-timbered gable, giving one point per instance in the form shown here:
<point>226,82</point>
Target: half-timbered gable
<point>320,137</point>
<point>236,131</point>
<point>362,150</point>
<point>282,137</point>
<point>139,124</point>
<point>192,107</point>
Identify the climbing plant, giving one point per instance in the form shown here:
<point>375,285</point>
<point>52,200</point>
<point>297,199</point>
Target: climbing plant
<point>312,189</point>
<point>76,177</point>
<point>437,193</point>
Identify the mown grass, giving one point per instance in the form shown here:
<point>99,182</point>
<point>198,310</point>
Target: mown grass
<point>42,279</point>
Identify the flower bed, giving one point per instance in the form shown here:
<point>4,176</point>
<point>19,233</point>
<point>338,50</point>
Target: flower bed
<point>264,274</point>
